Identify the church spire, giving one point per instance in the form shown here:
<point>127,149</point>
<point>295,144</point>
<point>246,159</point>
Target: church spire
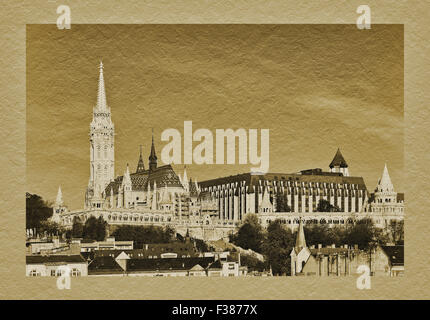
<point>101,95</point>
<point>300,239</point>
<point>152,156</point>
<point>59,199</point>
<point>140,164</point>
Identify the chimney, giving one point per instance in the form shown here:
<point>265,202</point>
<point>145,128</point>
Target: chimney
<point>319,246</point>
<point>333,245</point>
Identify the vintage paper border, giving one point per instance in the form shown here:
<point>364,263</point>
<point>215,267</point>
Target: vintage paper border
<point>16,14</point>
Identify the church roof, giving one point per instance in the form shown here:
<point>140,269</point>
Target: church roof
<point>164,175</point>
<point>338,160</point>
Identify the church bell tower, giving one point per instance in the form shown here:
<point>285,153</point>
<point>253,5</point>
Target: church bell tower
<point>101,148</point>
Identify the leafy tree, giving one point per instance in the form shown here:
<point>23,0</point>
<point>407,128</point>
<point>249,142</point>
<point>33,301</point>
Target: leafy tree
<point>326,206</point>
<point>77,228</point>
<point>201,245</point>
<point>37,211</point>
<point>250,234</point>
<point>322,234</point>
<point>51,228</point>
<point>277,248</point>
<point>141,235</point>
<point>365,234</point>
<point>94,229</point>
<point>252,263</point>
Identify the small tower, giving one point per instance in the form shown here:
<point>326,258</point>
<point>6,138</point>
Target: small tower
<point>152,156</point>
<point>384,192</point>
<point>140,164</point>
<point>154,198</point>
<point>338,164</point>
<point>102,133</point>
<point>300,253</point>
<point>265,206</point>
<point>166,203</point>
<point>58,207</point>
<point>127,187</point>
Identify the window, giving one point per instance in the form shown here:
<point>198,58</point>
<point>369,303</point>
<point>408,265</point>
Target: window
<point>76,272</point>
<point>34,273</point>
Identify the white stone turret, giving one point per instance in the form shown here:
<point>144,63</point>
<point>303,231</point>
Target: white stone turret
<point>265,206</point>
<point>127,188</point>
<point>154,197</point>
<point>384,192</point>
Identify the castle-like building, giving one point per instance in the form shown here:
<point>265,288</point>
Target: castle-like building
<point>213,208</point>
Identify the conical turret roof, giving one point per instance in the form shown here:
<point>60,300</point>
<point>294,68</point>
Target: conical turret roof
<point>338,160</point>
<point>385,184</point>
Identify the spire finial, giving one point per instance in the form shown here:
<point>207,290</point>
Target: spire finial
<point>140,164</point>
<point>152,156</point>
<point>101,96</point>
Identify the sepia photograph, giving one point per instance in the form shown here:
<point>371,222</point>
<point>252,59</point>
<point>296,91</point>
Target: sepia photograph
<point>215,150</point>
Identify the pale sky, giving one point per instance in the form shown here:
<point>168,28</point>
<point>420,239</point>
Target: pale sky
<point>315,87</point>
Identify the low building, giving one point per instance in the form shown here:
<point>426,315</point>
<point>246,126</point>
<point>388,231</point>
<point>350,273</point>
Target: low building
<point>327,261</point>
<point>75,246</point>
<point>121,264</point>
<point>388,261</point>
<point>55,265</point>
<point>338,261</point>
<point>109,244</point>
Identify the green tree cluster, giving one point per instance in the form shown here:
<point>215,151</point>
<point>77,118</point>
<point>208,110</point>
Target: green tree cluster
<point>141,235</point>
<point>250,234</point>
<point>93,229</point>
<point>37,211</point>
